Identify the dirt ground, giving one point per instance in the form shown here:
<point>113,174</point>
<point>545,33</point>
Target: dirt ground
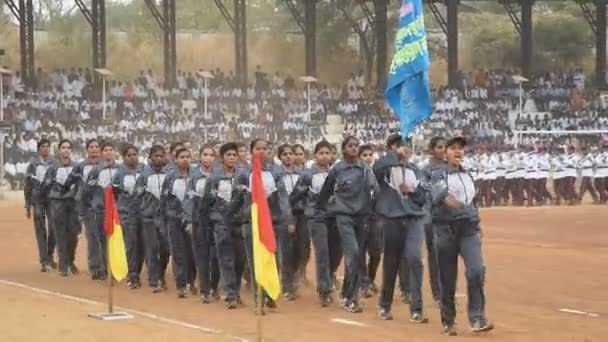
<point>539,260</point>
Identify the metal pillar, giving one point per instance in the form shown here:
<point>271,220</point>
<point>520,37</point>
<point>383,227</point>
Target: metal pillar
<point>310,36</point>
<point>449,27</point>
<point>308,25</point>
<point>526,37</point>
<point>238,24</point>
<point>24,13</point>
<point>452,35</point>
<point>166,22</point>
<point>242,24</point>
<point>96,17</point>
<point>170,43</point>
<point>523,25</point>
<point>380,9</point>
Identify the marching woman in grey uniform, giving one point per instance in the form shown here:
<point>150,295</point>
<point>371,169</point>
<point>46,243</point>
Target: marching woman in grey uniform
<point>282,220</point>
<point>350,184</point>
<point>206,261</point>
<point>302,232</point>
<point>373,241</point>
<point>156,239</point>
<point>92,209</point>
<point>307,189</point>
<point>130,216</point>
<point>295,253</point>
<point>217,199</point>
<point>436,164</point>
<point>458,232</point>
<point>175,188</point>
<point>59,191</point>
<point>401,203</point>
<point>32,190</point>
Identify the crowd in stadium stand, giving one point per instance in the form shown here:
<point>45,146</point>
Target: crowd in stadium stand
<point>275,107</point>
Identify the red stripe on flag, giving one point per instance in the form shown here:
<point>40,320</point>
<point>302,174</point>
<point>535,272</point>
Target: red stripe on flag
<point>111,213</point>
<point>258,196</point>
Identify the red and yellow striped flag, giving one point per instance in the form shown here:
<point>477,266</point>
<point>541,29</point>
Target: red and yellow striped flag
<point>117,254</point>
<point>264,243</point>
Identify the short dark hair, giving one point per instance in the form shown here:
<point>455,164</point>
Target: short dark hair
<point>156,148</point>
<point>90,142</point>
<point>43,142</point>
<point>365,147</point>
<point>180,150</point>
<point>64,141</point>
<point>347,140</point>
<point>434,141</point>
<point>205,147</point>
<point>394,139</point>
<point>126,148</point>
<point>255,141</point>
<point>175,145</point>
<point>229,146</point>
<point>282,149</point>
<point>106,144</point>
<point>321,144</point>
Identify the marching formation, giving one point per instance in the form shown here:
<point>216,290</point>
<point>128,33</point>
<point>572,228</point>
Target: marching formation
<point>195,211</point>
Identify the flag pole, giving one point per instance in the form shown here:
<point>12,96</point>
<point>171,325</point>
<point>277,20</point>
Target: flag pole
<point>260,312</point>
<point>110,282</point>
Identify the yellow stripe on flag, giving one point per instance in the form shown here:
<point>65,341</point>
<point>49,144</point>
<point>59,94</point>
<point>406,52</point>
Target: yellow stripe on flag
<point>264,262</point>
<point>117,254</point>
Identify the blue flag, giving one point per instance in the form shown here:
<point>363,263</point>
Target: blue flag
<point>408,90</point>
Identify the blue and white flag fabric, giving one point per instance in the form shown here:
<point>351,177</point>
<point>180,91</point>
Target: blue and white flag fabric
<point>408,90</point>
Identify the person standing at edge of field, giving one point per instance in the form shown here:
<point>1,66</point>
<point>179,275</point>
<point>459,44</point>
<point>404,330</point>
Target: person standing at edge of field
<point>59,188</point>
<point>156,238</point>
<point>401,202</point>
<point>130,216</point>
<point>175,188</point>
<point>45,237</point>
<point>458,232</point>
<point>436,164</point>
<point>350,184</point>
<point>92,211</point>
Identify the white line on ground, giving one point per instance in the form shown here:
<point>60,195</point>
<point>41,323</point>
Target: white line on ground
<point>348,322</point>
<point>579,312</point>
<point>133,311</point>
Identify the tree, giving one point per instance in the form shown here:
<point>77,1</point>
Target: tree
<point>562,40</point>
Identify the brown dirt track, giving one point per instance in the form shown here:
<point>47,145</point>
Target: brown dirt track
<point>539,260</point>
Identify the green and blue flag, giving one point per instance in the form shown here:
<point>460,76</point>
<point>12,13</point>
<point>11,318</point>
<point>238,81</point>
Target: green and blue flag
<point>408,90</point>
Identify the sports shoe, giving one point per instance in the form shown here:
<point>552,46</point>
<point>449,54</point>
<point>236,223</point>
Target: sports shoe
<point>45,268</point>
<point>94,276</point>
<point>103,277</point>
<point>269,303</point>
<point>158,288</point>
<point>417,317</point>
<point>366,293</point>
<point>289,296</point>
<point>231,304</point>
<point>74,270</point>
<point>481,326</point>
<point>205,299</point>
<point>353,307</point>
<point>182,292</point>
<point>53,264</point>
<point>385,314</point>
<point>449,329</point>
<point>63,273</point>
<point>373,288</point>
<point>132,285</point>
<point>325,300</point>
